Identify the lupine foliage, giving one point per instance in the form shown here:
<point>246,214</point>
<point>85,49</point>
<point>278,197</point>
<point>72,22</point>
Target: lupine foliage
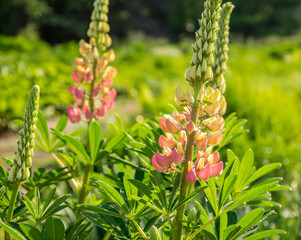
<point>109,188</point>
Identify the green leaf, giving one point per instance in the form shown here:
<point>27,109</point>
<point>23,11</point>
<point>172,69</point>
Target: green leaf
<point>55,207</point>
<point>113,195</point>
<point>250,194</point>
<point>99,209</point>
<point>94,140</point>
<point>60,126</point>
<point>249,220</point>
<point>77,148</point>
<point>264,234</point>
<point>227,188</point>
<point>244,170</point>
<point>130,191</point>
<point>29,205</point>
<point>190,196</point>
<point>31,232</point>
<point>8,161</point>
<point>230,231</point>
<point>54,229</point>
<point>43,129</point>
<point>13,232</point>
<point>49,198</point>
<point>37,201</point>
<point>223,222</point>
<point>74,231</point>
<point>142,187</point>
<point>262,171</point>
<point>115,141</point>
<point>159,182</point>
<point>175,187</point>
<point>211,193</point>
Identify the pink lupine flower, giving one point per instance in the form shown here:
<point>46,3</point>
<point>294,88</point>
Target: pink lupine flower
<point>169,141</point>
<point>169,125</point>
<point>186,115</point>
<point>203,172</point>
<point>168,160</point>
<point>80,94</point>
<point>86,110</point>
<point>107,83</point>
<point>73,114</point>
<point>95,91</point>
<point>71,90</point>
<point>99,113</point>
<point>191,176</point>
<point>77,76</point>
<point>215,138</point>
<point>177,116</point>
<point>88,77</point>
<point>189,127</point>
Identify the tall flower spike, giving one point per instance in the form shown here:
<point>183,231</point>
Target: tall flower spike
<point>93,77</point>
<point>221,53</point>
<point>99,27</point>
<point>24,150</point>
<point>200,70</point>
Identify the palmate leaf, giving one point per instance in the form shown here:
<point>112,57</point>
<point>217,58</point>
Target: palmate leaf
<point>112,194</point>
<point>158,183</point>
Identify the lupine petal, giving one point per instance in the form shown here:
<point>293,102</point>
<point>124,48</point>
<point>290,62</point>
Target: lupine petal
<point>216,169</point>
<point>156,165</point>
<point>172,126</point>
<point>201,145</point>
<point>191,177</point>
<point>162,124</point>
<point>176,157</point>
<point>163,141</point>
<point>215,138</point>
<point>162,160</point>
<point>205,173</point>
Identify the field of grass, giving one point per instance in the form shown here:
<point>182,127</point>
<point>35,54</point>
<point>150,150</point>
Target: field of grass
<point>263,86</point>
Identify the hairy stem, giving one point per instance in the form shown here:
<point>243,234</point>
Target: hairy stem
<point>10,211</point>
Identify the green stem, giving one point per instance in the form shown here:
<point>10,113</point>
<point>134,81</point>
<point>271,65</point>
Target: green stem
<point>185,186</point>
<point>139,229</point>
<point>84,190</point>
<point>10,211</point>
<point>63,165</point>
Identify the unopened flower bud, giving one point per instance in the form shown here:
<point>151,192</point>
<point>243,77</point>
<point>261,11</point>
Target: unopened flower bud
<point>208,74</point>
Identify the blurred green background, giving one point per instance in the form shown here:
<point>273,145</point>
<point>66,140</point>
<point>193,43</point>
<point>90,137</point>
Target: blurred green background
<point>152,40</point>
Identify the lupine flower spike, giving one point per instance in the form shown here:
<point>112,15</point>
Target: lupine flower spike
<point>203,106</point>
<point>221,45</point>
<point>93,72</point>
<point>24,150</point>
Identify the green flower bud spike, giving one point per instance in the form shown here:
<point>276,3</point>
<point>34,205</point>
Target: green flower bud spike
<point>24,150</point>
<point>221,53</point>
<point>200,70</point>
<point>99,27</point>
